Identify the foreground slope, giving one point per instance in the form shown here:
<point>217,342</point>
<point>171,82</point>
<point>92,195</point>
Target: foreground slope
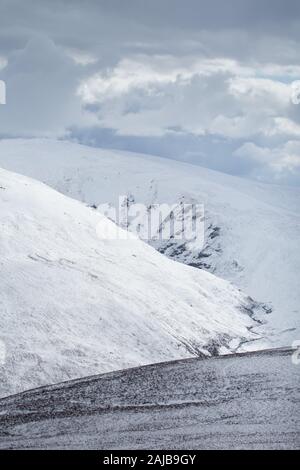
<point>252,230</point>
<point>238,402</point>
<point>74,303</point>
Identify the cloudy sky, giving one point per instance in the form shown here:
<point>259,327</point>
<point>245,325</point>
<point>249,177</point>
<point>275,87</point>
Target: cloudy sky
<point>208,82</point>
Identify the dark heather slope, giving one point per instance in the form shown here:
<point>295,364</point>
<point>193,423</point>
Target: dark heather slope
<point>246,401</point>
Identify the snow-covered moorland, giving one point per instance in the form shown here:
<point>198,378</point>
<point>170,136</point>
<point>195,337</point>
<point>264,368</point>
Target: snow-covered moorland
<point>73,304</point>
<point>247,401</point>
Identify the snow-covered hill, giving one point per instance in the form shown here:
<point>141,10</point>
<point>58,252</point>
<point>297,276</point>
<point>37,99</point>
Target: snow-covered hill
<point>74,304</point>
<point>252,230</point>
<point>247,401</point>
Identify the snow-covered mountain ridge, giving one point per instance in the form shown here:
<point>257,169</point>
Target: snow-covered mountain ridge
<point>74,304</point>
<point>252,229</point>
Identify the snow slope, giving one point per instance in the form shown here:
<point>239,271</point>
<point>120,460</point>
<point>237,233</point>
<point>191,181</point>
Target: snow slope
<point>247,401</point>
<point>252,230</point>
<point>73,303</point>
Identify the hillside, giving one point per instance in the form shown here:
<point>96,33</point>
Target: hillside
<point>74,303</point>
<point>251,229</point>
<point>246,401</point>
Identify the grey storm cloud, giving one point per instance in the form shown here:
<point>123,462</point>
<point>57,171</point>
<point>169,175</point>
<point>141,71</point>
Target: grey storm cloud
<point>140,25</point>
<point>41,84</point>
<point>205,82</point>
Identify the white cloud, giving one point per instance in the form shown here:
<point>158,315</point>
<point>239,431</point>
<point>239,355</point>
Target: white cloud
<point>260,91</point>
<point>81,57</point>
<point>3,62</point>
<point>145,72</point>
<point>280,159</point>
<point>149,95</point>
<point>295,92</point>
<point>283,126</point>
